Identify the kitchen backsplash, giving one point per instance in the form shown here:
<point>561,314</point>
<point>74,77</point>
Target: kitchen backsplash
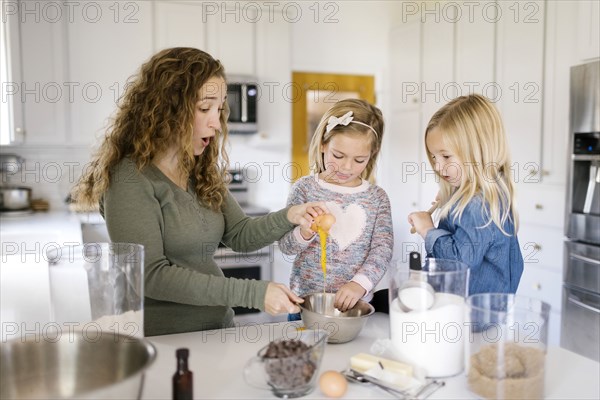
<point>53,172</point>
<point>50,172</point>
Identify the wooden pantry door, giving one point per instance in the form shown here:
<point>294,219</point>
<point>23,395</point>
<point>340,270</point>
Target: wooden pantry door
<point>315,93</point>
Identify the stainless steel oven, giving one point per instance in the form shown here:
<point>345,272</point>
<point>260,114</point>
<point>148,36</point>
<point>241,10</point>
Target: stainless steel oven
<point>247,265</point>
<point>580,320</point>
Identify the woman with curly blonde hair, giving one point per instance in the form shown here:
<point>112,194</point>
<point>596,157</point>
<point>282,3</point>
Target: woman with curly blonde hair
<point>160,178</point>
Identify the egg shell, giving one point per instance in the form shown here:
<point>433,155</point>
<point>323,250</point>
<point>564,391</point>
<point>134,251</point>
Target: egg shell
<point>325,221</point>
<point>333,384</point>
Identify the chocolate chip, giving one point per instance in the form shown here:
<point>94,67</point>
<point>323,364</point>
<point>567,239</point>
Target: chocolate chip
<point>289,363</point>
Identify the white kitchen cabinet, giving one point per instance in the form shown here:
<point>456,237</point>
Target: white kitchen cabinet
<point>404,140</point>
<point>226,30</point>
<point>437,70</point>
<point>541,205</point>
<point>437,54</point>
<point>75,60</point>
<point>232,36</point>
<point>588,29</point>
<point>104,51</point>
<point>273,68</point>
<point>561,55</point>
<point>542,246</point>
<point>281,266</point>
<point>179,24</point>
<point>474,52</point>
<point>404,188</point>
<point>520,71</point>
<point>539,283</point>
<point>40,84</point>
<point>541,210</point>
<point>405,59</point>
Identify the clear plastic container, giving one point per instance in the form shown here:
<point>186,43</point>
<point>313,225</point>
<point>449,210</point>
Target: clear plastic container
<point>427,309</point>
<point>98,288</point>
<point>508,338</point>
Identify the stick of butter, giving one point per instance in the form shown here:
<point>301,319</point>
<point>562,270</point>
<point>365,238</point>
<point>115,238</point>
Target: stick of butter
<point>362,362</point>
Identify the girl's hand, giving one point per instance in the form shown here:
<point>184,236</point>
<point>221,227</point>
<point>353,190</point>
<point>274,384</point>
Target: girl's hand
<point>304,214</point>
<point>279,299</point>
<point>421,221</point>
<point>307,235</point>
<point>348,296</point>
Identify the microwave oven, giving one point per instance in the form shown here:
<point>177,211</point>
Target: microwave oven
<point>242,98</point>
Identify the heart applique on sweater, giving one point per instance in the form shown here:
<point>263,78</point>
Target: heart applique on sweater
<point>349,224</point>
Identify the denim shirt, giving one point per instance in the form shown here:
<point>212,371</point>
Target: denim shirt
<point>494,259</point>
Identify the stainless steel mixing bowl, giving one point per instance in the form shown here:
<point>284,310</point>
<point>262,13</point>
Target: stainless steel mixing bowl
<point>318,312</point>
<point>76,366</point>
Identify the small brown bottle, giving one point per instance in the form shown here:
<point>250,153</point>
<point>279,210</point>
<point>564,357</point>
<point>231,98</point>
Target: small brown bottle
<point>183,378</point>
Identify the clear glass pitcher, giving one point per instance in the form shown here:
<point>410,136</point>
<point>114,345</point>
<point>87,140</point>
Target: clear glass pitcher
<point>98,288</point>
<point>427,310</point>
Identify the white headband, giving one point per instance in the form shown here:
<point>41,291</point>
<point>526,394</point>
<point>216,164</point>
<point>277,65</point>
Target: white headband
<point>345,119</point>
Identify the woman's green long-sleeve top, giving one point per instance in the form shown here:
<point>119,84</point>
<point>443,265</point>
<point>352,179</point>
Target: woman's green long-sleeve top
<point>184,288</point>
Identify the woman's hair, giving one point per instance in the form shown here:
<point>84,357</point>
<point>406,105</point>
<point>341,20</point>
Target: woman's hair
<point>472,130</point>
<point>155,113</point>
<point>365,116</point>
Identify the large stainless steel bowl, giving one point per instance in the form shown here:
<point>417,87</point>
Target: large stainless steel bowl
<point>75,366</point>
<point>318,312</point>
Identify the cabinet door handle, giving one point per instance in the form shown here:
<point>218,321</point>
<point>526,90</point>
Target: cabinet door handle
<point>18,136</point>
<point>576,301</point>
<point>539,207</point>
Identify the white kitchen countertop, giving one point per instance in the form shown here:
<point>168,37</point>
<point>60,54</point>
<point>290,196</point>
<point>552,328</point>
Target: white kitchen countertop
<point>25,240</point>
<point>217,359</point>
<point>39,229</point>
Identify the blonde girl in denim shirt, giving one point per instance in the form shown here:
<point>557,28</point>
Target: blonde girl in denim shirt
<point>467,148</point>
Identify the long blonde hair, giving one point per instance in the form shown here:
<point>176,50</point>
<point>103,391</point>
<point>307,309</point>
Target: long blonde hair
<point>362,112</point>
<point>472,129</point>
<point>156,112</point>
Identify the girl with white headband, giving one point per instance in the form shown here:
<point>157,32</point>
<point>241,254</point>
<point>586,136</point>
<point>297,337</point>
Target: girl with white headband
<point>342,156</point>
